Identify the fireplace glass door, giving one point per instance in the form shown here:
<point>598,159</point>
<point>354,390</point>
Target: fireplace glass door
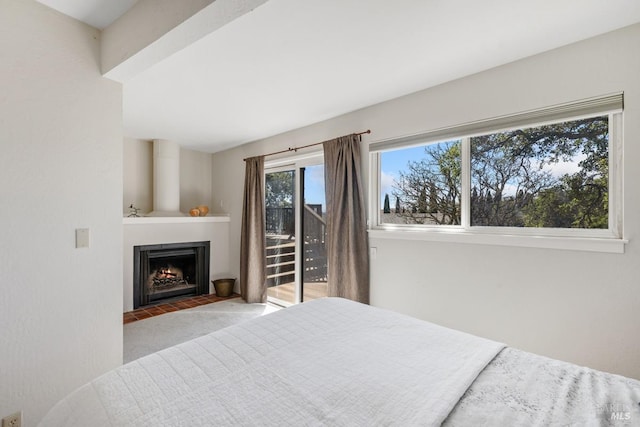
<point>171,273</point>
<point>168,271</point>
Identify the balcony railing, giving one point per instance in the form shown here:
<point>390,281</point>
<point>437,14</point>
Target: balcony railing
<point>280,228</point>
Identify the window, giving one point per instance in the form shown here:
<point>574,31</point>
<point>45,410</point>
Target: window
<point>425,184</point>
<point>552,172</point>
<point>552,176</point>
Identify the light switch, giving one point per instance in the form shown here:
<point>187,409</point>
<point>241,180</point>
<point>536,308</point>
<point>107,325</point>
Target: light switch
<point>373,252</point>
<point>82,237</point>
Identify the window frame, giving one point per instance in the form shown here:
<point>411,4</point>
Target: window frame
<point>598,240</point>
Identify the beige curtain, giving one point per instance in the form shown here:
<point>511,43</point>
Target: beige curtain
<point>347,244</point>
<point>253,242</point>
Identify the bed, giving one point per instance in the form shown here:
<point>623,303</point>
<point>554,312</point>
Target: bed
<point>334,362</point>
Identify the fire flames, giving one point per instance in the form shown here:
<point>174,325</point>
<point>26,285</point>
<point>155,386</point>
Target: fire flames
<point>166,278</point>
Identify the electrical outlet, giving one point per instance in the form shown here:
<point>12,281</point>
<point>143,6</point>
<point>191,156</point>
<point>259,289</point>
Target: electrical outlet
<point>13,420</point>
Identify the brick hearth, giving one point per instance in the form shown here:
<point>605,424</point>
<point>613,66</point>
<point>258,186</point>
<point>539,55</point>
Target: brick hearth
<point>168,307</point>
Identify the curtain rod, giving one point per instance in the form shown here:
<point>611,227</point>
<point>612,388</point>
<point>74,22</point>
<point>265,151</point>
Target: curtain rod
<point>308,145</point>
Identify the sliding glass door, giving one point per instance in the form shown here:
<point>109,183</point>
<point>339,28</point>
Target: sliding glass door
<point>280,227</point>
<point>313,269</point>
<point>295,232</point>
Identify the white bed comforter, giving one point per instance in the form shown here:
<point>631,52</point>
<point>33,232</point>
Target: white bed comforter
<point>328,362</point>
<point>520,389</point>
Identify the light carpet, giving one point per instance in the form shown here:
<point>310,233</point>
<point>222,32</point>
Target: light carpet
<point>156,333</point>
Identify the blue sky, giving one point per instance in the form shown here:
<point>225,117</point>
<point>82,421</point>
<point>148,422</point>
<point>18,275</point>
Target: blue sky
<point>394,161</point>
<point>391,162</point>
<point>314,183</point>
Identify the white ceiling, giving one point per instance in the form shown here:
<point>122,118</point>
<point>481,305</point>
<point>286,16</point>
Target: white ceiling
<point>291,63</point>
<point>97,13</point>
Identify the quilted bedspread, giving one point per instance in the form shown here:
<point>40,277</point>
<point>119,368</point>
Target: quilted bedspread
<point>328,362</point>
<point>520,389</point>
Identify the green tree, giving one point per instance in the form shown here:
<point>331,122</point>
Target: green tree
<point>279,189</point>
<point>578,201</point>
<point>430,187</point>
<point>536,198</point>
<point>387,206</point>
<point>497,171</point>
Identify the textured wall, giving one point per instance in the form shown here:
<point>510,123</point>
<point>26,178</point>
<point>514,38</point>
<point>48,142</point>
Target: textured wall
<point>60,169</point>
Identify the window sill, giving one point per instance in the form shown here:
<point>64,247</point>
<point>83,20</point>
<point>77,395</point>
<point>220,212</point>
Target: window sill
<point>589,244</point>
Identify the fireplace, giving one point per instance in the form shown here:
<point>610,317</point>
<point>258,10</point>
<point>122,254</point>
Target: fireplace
<point>169,270</point>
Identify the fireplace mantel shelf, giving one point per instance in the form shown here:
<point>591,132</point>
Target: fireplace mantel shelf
<point>175,219</point>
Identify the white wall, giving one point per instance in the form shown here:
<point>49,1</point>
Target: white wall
<point>60,169</point>
<point>137,175</point>
<point>195,177</point>
<point>571,305</point>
